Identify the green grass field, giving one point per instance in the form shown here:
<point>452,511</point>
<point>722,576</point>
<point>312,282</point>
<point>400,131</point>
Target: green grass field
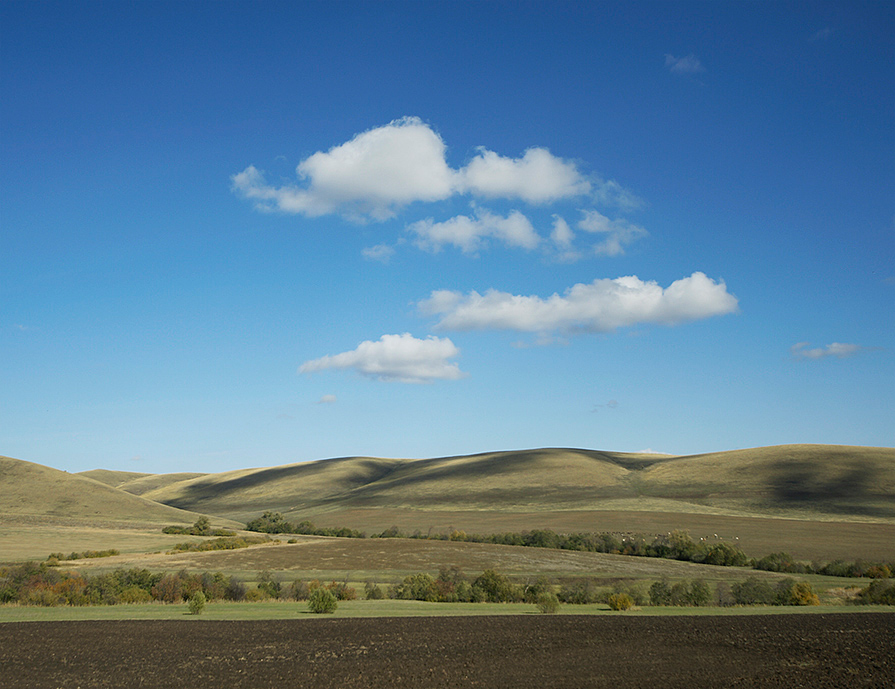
<point>383,608</point>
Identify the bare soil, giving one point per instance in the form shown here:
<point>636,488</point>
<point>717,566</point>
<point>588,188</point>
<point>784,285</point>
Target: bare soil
<point>841,650</point>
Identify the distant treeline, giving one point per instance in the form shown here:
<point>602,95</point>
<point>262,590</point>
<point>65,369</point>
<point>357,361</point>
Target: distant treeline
<point>38,584</point>
<point>274,522</point>
<point>202,527</point>
<point>226,543</point>
<point>676,545</point>
<point>56,558</point>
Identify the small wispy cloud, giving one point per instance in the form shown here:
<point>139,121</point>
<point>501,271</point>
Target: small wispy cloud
<point>821,35</point>
<point>689,64</point>
<point>381,252</point>
<point>838,350</point>
<point>327,399</point>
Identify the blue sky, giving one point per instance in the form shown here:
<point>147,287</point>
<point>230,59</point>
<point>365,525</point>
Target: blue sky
<point>248,234</point>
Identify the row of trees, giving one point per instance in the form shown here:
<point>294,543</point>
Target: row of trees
<point>784,562</point>
<point>39,584</point>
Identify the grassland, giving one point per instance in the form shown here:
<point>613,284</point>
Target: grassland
<point>818,503</point>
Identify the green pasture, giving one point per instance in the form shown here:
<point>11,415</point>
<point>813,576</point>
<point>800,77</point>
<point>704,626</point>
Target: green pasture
<point>279,610</point>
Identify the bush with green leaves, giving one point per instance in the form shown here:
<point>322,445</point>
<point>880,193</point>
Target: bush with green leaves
<point>686,593</point>
<point>753,591</point>
<point>196,603</point>
<point>880,592</point>
<point>373,592</point>
<point>792,592</point>
<point>322,601</point>
<point>496,588</point>
<point>547,602</point>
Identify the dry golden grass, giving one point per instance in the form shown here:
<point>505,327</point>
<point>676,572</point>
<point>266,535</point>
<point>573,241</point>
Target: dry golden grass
<point>34,538</point>
<point>112,478</point>
<point>811,482</point>
<point>32,489</point>
<point>387,559</point>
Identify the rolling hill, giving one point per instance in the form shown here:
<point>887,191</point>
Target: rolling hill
<point>811,480</point>
<point>813,500</point>
<point>33,490</point>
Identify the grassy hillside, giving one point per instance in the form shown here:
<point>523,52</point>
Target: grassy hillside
<point>28,489</point>
<point>801,481</point>
<point>112,478</point>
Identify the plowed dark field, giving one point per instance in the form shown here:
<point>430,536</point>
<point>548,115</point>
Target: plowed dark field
<point>842,650</point>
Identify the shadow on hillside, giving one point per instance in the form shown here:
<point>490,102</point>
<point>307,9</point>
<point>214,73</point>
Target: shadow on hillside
<point>367,470</point>
<point>854,490</point>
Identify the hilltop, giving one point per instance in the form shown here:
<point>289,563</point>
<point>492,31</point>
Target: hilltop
<point>34,490</point>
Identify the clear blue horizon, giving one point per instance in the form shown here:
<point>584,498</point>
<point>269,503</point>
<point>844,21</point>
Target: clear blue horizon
<point>244,234</point>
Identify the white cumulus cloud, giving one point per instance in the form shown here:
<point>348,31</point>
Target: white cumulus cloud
<point>469,233</point>
<point>401,358</point>
<point>373,175</point>
<point>835,349</point>
<point>380,171</point>
<point>537,177</point>
<point>601,306</point>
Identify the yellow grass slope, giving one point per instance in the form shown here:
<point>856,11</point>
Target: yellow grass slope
<point>789,480</point>
<point>28,489</point>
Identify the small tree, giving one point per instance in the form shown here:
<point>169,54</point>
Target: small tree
<point>196,603</point>
<point>202,527</point>
<point>548,603</point>
<point>620,601</point>
<point>322,601</point>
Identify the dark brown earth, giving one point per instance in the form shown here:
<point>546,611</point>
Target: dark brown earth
<point>842,650</point>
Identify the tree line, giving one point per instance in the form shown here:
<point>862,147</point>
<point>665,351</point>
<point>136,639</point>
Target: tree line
<point>39,584</point>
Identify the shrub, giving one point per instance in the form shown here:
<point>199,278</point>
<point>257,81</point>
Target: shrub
<point>548,603</point>
<point>134,594</point>
<point>235,590</point>
<point>533,590</point>
<point>416,587</point>
<point>880,592</point>
<point>372,591</point>
<point>753,591</point>
<point>299,590</point>
<point>699,593</point>
<point>620,601</point>
<point>578,593</point>
<point>791,592</point>
<point>496,588</point>
<point>196,603</point>
<point>269,584</point>
<point>168,589</point>
<point>342,591</point>
<point>322,601</point>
